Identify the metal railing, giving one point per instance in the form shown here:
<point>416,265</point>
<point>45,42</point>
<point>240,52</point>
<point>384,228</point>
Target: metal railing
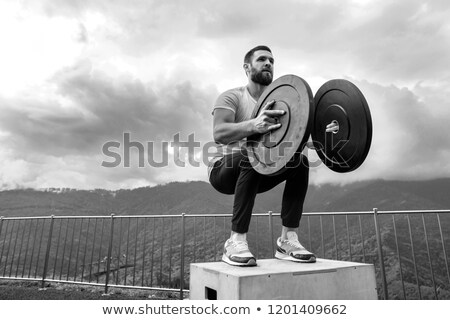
<point>408,248</point>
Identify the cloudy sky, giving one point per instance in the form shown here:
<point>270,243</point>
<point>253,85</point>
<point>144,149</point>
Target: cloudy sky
<point>77,74</point>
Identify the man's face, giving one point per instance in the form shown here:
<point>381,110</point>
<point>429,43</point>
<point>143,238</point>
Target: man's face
<point>261,67</point>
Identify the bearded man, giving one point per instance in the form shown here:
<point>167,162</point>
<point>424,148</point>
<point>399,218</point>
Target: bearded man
<point>232,173</point>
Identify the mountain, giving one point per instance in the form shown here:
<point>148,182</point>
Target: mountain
<point>200,197</point>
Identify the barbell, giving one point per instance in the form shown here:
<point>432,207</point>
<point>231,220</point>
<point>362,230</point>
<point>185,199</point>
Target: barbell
<point>338,102</point>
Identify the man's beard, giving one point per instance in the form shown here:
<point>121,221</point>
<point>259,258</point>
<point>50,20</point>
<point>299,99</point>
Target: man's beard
<point>261,77</point>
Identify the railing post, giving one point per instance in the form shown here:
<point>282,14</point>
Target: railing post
<point>47,252</point>
<point>414,256</point>
<point>380,254</point>
<point>108,258</point>
<point>3,246</point>
<point>183,227</point>
<point>1,225</point>
<point>443,247</point>
<point>271,231</point>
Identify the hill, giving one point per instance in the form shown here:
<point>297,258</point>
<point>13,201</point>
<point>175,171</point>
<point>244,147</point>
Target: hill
<point>200,197</point>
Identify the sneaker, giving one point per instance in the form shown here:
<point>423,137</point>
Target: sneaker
<point>236,253</point>
<point>292,250</point>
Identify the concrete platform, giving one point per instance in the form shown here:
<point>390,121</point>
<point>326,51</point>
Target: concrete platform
<point>275,279</point>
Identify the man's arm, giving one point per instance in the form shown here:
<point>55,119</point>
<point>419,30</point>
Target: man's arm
<point>227,131</point>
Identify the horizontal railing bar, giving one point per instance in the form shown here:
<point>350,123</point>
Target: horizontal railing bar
<point>55,217</point>
<point>26,218</point>
<point>148,216</point>
<point>75,282</point>
<point>94,217</point>
<point>218,215</point>
<point>413,211</point>
<point>121,216</point>
<point>338,213</point>
<point>146,288</point>
<point>82,217</point>
<point>20,278</point>
<point>263,214</point>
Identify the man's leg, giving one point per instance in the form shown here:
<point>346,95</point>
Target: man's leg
<point>297,180</point>
<point>247,186</point>
<point>235,175</point>
<point>288,246</point>
<point>296,177</point>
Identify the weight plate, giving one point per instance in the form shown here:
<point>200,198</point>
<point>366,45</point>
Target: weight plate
<point>269,153</point>
<point>341,101</point>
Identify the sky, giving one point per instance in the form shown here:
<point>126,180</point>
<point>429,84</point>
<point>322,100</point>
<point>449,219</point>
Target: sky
<point>79,76</point>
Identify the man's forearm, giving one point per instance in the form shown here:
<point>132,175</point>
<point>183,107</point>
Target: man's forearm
<point>229,132</point>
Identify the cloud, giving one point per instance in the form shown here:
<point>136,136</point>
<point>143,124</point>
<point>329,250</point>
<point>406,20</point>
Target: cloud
<point>388,41</point>
<point>88,109</point>
<point>398,42</point>
<point>409,142</point>
<point>137,28</point>
<point>77,74</point>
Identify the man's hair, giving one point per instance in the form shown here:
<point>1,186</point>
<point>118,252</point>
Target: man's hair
<point>249,55</point>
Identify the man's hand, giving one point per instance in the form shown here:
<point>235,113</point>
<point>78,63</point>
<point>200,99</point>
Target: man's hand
<point>266,120</point>
<point>332,127</point>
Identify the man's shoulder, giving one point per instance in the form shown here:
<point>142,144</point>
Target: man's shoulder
<point>238,92</point>
<point>231,98</point>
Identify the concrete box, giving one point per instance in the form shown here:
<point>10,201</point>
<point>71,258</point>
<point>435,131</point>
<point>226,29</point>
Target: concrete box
<point>275,279</point>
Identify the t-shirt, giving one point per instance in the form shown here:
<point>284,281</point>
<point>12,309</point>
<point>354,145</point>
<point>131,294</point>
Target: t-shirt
<point>239,101</point>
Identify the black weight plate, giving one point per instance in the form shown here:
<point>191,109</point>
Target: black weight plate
<point>341,101</point>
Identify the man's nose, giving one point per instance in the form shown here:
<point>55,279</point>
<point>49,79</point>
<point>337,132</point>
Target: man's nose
<point>268,63</point>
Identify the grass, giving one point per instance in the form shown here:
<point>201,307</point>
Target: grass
<point>24,290</point>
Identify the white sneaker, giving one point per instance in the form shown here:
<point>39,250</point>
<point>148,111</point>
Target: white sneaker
<point>236,252</point>
<point>292,250</point>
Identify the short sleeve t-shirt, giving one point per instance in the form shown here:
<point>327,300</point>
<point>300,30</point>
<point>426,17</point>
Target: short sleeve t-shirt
<point>242,104</point>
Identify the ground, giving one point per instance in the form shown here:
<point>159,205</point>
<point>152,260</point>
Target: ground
<point>21,290</point>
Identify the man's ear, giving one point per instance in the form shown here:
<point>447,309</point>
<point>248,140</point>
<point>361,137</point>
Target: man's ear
<point>246,67</point>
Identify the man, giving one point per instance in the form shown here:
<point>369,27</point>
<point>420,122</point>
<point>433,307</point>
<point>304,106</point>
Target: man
<point>231,173</point>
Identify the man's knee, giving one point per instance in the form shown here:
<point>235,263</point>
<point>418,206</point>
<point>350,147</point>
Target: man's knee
<point>304,160</point>
<point>299,162</point>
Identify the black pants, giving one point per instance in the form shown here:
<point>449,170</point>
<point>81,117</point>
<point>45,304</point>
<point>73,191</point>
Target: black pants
<point>235,175</point>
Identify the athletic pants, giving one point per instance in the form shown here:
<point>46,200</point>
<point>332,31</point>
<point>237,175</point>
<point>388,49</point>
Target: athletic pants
<point>234,174</point>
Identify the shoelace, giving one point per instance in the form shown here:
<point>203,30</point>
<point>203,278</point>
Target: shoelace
<point>295,244</point>
<point>240,245</point>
